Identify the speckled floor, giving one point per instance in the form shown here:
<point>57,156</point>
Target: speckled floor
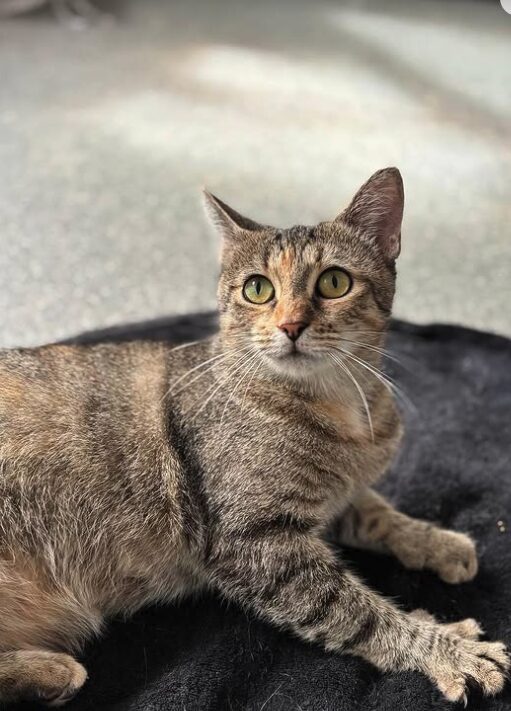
<point>282,108</point>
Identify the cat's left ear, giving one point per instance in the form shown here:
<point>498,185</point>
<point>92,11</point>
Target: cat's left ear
<point>227,221</point>
<point>377,211</point>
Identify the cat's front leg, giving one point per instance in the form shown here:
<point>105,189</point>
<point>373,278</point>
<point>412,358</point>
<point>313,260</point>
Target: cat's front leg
<point>371,522</point>
<point>292,579</point>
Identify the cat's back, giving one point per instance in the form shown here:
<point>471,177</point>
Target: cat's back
<point>54,396</point>
<point>94,406</point>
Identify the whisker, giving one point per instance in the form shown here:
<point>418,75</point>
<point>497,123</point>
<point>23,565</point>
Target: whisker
<point>359,389</point>
<point>379,374</point>
<point>382,334</point>
<point>369,366</point>
<point>231,371</point>
<point>184,345</point>
<point>192,370</point>
<point>358,331</point>
<point>381,351</point>
<point>333,338</point>
<point>215,359</point>
<point>215,387</point>
<point>382,377</point>
<point>207,370</point>
<point>259,364</point>
<point>248,364</point>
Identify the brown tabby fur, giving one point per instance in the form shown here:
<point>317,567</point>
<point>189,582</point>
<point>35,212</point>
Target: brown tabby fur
<point>138,473</point>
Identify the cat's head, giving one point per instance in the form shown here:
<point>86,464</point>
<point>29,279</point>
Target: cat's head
<point>294,298</point>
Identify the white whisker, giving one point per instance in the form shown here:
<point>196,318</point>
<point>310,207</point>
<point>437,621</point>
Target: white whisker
<point>382,377</point>
<point>215,359</point>
<point>359,389</point>
<point>258,365</point>
<point>376,349</point>
<point>203,372</point>
<point>184,345</point>
<point>252,358</point>
<point>231,371</point>
<point>174,383</point>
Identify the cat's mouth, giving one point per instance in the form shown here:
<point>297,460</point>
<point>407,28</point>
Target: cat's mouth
<point>292,350</point>
<point>295,362</point>
<point>292,353</point>
<point>295,354</point>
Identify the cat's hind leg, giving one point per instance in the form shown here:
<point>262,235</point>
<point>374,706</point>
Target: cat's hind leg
<point>41,624</point>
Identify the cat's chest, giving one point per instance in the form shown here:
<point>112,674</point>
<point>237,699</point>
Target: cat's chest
<point>325,451</point>
<point>349,423</point>
<point>279,458</point>
<point>357,444</point>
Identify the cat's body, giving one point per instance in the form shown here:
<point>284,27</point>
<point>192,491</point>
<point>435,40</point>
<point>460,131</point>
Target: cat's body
<point>137,473</point>
<point>126,486</point>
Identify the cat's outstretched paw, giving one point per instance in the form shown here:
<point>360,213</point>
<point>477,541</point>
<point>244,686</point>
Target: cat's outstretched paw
<point>459,662</point>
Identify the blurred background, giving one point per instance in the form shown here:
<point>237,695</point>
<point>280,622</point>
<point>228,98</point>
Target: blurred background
<point>111,123</point>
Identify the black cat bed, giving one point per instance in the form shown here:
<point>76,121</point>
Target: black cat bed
<point>454,468</point>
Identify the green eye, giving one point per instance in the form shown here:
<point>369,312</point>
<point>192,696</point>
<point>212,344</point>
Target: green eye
<point>333,283</point>
<point>258,289</point>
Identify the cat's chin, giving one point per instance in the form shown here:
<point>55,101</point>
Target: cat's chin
<point>297,365</point>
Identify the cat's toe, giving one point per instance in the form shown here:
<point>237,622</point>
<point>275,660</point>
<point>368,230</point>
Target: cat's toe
<point>468,628</point>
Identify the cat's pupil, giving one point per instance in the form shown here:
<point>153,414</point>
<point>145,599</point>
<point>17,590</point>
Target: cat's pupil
<point>334,281</point>
<point>258,287</point>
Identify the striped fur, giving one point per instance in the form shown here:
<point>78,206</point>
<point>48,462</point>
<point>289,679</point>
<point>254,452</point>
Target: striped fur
<point>136,473</point>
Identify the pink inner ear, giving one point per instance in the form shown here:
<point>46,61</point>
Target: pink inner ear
<point>394,246</point>
<point>377,210</point>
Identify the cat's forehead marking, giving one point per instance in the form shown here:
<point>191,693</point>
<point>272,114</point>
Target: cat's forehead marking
<point>283,257</point>
<point>291,245</point>
<point>292,254</point>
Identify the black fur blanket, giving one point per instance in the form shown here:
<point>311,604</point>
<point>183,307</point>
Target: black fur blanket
<point>454,468</point>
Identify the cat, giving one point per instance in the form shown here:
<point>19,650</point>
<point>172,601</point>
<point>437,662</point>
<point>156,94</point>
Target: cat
<point>138,473</point>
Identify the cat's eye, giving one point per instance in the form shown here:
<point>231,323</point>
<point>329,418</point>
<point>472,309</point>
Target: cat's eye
<point>333,283</point>
<point>258,289</point>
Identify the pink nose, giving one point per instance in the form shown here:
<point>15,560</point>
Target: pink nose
<point>294,329</point>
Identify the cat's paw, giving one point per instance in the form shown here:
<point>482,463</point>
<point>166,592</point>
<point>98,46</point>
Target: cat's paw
<point>458,663</point>
<point>452,556</point>
<point>50,677</point>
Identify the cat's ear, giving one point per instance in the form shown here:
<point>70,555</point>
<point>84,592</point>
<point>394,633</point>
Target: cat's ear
<point>227,221</point>
<point>377,210</point>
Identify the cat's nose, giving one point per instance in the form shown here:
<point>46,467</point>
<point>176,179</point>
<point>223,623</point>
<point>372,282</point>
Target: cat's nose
<point>293,329</point>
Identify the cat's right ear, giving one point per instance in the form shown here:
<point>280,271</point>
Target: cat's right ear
<point>227,221</point>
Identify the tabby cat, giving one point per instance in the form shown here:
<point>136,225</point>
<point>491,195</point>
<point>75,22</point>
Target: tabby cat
<point>136,473</point>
